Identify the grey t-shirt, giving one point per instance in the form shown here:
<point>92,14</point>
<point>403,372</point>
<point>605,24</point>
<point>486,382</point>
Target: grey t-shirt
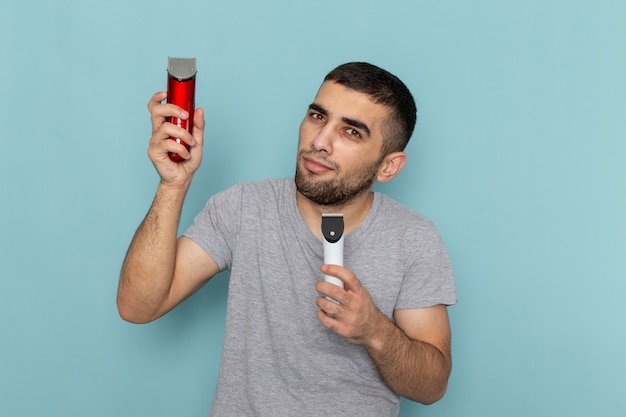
<point>277,359</point>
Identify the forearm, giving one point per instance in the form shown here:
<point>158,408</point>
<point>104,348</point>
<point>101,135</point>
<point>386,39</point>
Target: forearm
<point>413,369</point>
<point>148,268</point>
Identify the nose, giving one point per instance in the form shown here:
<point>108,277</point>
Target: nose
<point>323,140</point>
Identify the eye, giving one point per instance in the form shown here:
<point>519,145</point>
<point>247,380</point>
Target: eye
<point>317,116</point>
<point>353,133</point>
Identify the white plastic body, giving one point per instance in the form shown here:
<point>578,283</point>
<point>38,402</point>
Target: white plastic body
<point>333,255</point>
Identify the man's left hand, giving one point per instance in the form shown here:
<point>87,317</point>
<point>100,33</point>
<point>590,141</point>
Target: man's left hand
<point>354,316</point>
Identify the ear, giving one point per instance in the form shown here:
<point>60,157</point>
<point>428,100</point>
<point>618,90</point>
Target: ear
<point>392,164</point>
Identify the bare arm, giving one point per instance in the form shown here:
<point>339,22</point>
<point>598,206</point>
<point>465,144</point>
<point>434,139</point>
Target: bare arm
<point>412,355</point>
<point>159,270</point>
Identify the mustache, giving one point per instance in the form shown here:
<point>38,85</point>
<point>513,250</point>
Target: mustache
<point>319,156</point>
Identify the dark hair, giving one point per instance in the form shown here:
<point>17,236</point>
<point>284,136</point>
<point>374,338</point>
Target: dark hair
<point>386,89</point>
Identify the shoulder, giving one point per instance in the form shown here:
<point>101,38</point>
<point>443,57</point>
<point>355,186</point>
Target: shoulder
<point>269,185</point>
<point>399,215</point>
<point>256,189</point>
<point>413,231</point>
<point>252,199</point>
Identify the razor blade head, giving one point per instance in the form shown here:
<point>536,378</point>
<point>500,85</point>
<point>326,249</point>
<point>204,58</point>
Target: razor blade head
<point>181,68</point>
<point>332,227</point>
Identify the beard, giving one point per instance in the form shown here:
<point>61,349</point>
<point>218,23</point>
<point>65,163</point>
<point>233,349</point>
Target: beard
<point>338,191</point>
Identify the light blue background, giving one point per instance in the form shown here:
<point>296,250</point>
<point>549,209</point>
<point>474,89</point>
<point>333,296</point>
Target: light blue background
<point>518,158</point>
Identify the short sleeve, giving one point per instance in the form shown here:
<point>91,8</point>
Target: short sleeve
<point>429,278</point>
<point>215,227</point>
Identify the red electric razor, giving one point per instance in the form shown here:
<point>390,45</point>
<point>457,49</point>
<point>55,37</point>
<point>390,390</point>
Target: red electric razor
<point>181,90</point>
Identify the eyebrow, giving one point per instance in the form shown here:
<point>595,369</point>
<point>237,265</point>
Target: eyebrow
<point>352,122</point>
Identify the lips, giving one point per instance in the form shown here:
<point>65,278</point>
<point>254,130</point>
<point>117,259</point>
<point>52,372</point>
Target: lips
<point>315,166</point>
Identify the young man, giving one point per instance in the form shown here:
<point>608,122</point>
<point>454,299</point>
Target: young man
<point>289,350</point>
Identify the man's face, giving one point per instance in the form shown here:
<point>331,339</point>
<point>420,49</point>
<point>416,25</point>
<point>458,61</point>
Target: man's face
<point>340,145</point>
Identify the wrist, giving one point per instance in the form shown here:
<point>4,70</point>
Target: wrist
<point>171,196</point>
<point>174,188</point>
<point>383,331</point>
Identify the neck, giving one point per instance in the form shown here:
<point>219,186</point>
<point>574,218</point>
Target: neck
<point>353,212</point>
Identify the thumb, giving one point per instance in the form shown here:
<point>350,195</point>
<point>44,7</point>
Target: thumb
<point>350,281</point>
<point>198,126</point>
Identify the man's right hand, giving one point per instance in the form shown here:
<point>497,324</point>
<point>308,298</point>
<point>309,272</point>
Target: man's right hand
<point>177,174</point>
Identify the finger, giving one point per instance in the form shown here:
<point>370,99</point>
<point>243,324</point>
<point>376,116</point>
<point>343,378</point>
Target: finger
<point>331,316</point>
<point>174,131</point>
<point>333,291</point>
<point>154,103</point>
<point>156,99</point>
<point>164,113</point>
<point>179,148</point>
<point>328,321</point>
<point>161,141</point>
<point>350,281</point>
<point>329,306</point>
<point>170,130</point>
<point>162,151</point>
<point>160,112</point>
<point>198,126</point>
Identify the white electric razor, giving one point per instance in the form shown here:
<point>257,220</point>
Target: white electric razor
<point>332,232</point>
